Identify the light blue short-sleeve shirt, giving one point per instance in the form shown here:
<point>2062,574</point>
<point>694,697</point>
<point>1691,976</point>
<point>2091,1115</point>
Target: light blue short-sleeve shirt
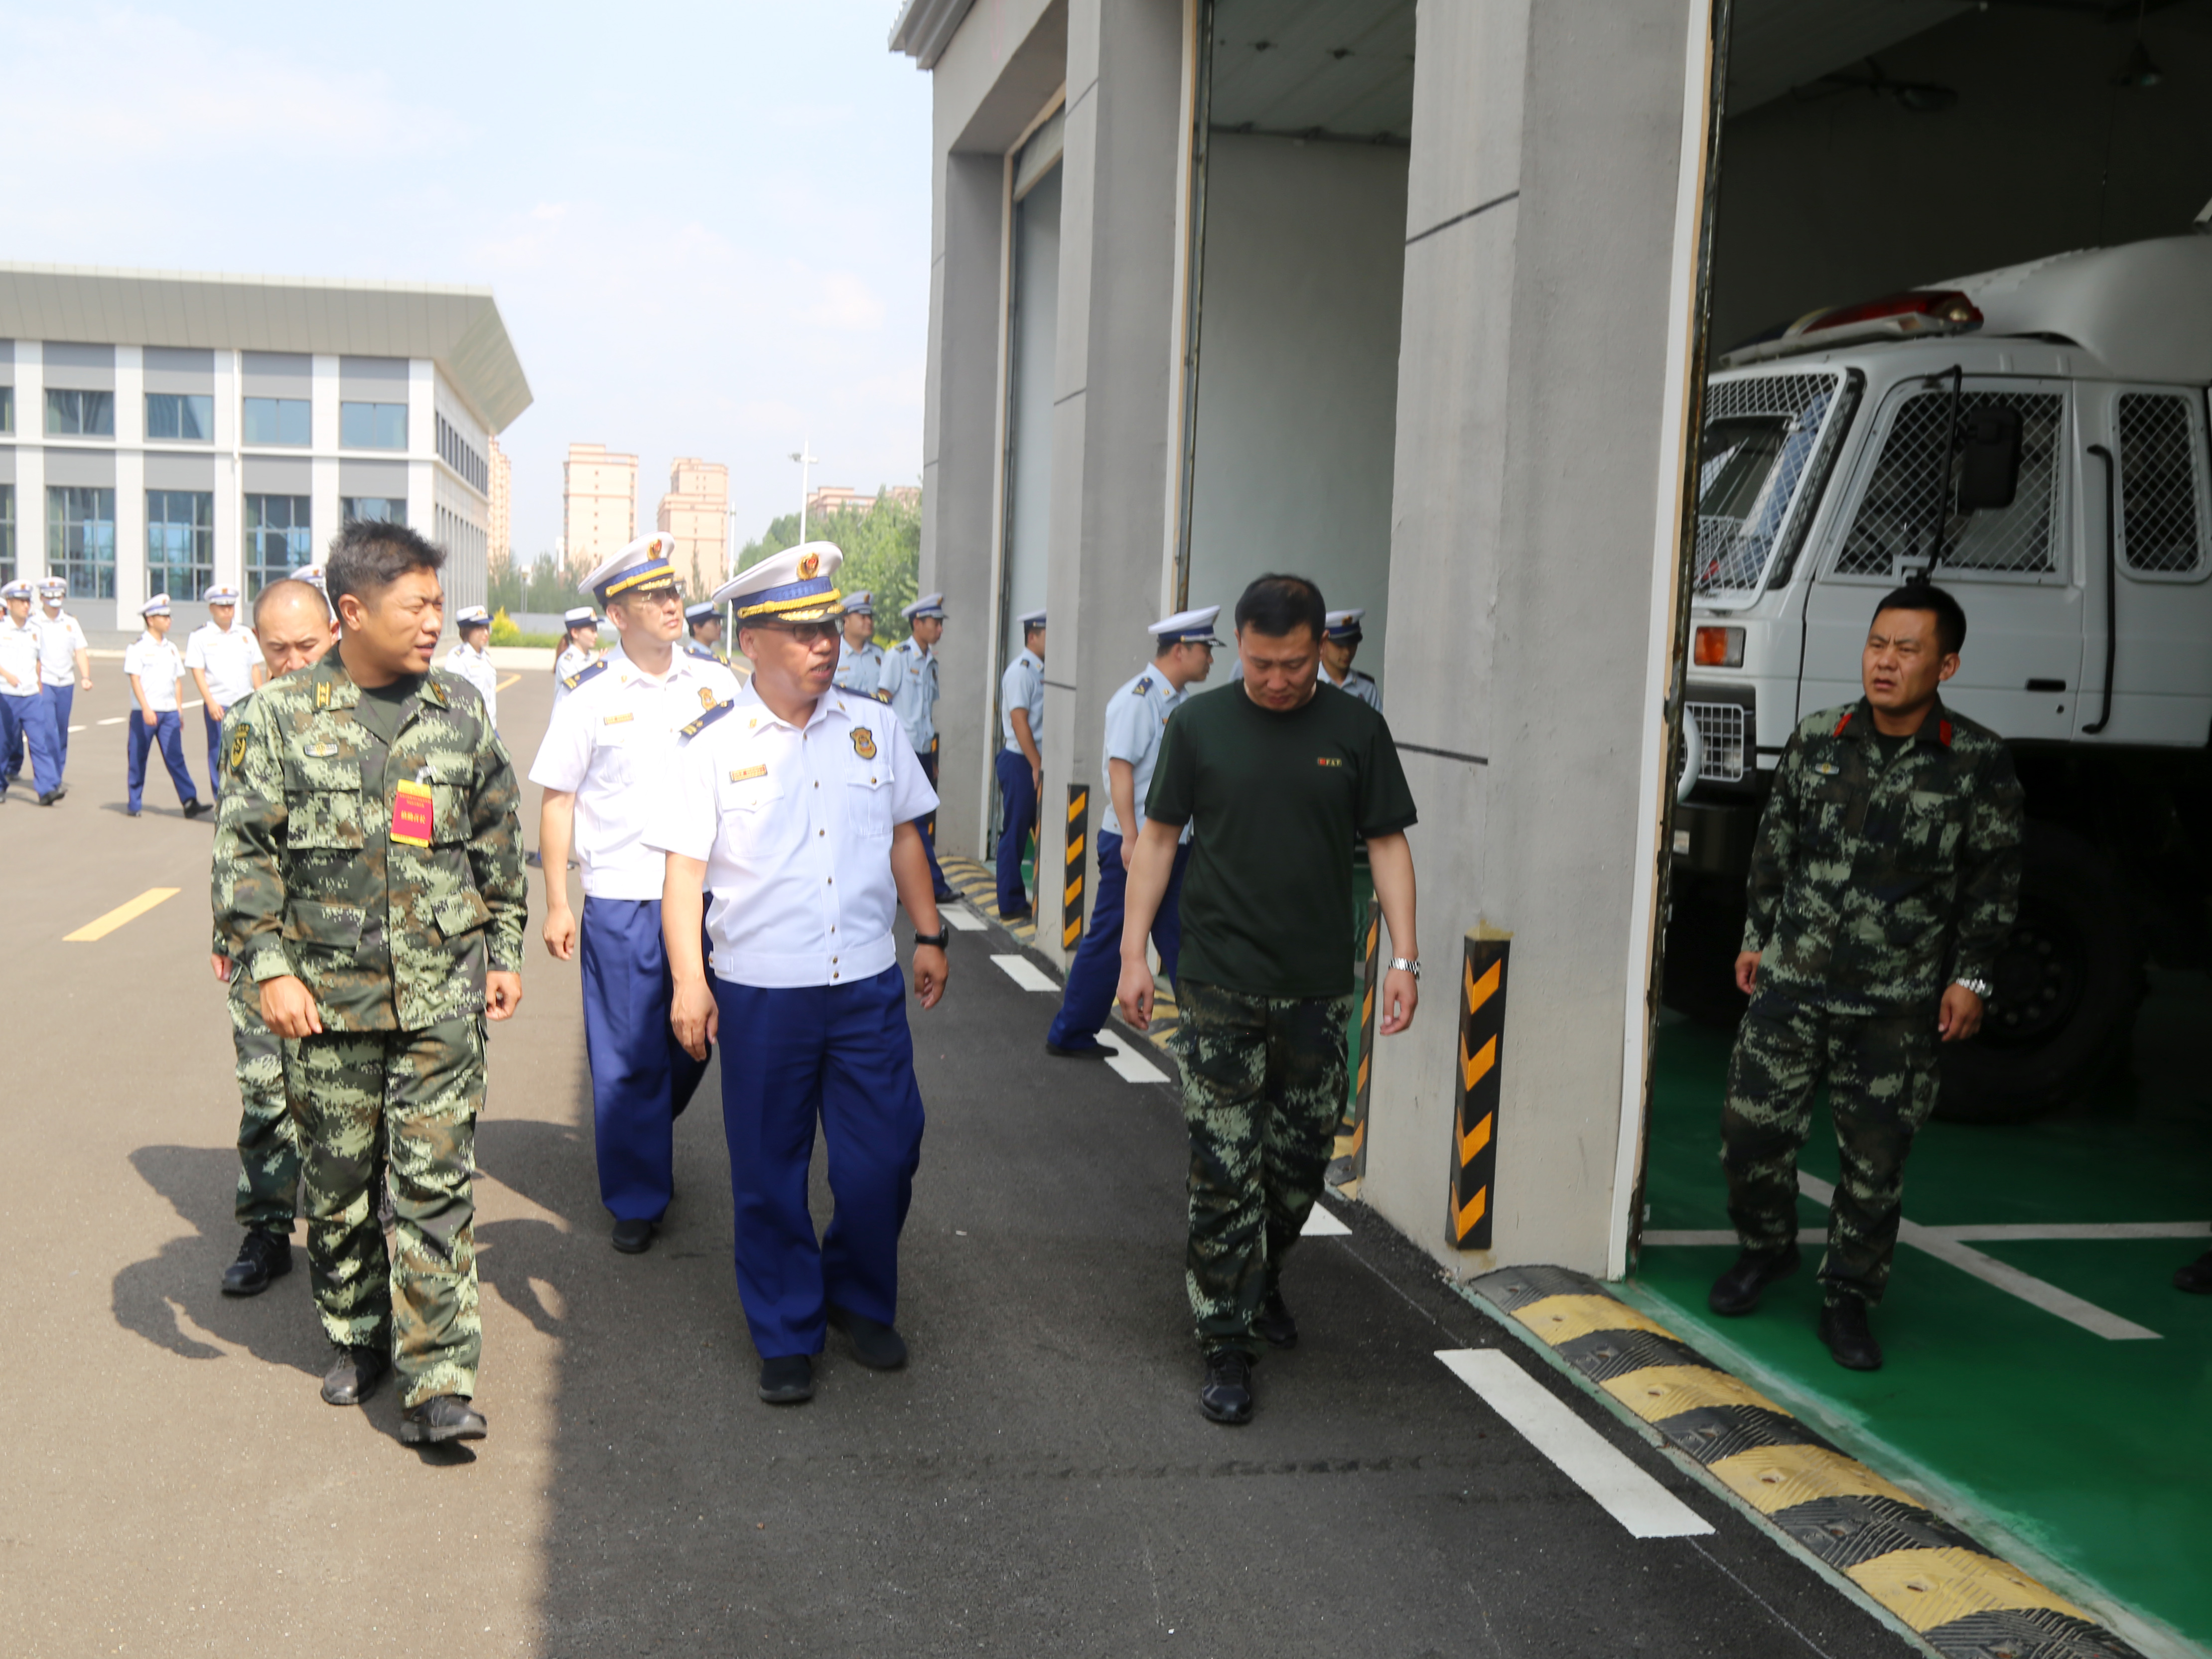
<point>860,669</point>
<point>1022,687</point>
<point>909,674</point>
<point>1136,715</point>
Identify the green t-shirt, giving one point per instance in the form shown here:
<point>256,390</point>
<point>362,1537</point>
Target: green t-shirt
<point>1275,801</point>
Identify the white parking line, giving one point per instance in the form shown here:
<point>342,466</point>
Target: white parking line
<point>1125,1062</point>
<point>1024,972</point>
<point>1631,1496</point>
<point>1320,1223</point>
<point>77,728</point>
<point>961,919</point>
<point>1993,1233</point>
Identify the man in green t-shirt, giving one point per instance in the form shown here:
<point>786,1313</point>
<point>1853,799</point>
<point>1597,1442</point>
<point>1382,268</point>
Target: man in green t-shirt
<point>1278,775</point>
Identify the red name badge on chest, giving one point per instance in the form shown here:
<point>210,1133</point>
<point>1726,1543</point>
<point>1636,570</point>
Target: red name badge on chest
<point>413,816</point>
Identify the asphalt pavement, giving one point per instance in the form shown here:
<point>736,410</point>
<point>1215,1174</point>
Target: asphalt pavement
<point>1039,1478</point>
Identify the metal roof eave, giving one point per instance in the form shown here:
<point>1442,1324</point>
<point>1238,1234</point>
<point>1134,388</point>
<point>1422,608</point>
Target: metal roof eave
<point>924,28</point>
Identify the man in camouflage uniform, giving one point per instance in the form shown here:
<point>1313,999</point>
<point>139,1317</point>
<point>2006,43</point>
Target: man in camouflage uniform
<point>292,626</point>
<point>1885,878</point>
<point>368,875</point>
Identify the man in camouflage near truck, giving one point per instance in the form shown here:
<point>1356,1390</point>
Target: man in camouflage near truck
<point>368,876</point>
<point>292,625</point>
<point>1884,880</point>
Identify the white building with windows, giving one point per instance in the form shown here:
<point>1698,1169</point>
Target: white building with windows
<point>163,431</point>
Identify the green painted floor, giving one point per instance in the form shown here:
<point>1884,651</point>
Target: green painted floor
<point>2095,1454</point>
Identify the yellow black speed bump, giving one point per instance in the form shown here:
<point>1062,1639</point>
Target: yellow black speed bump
<point>1474,1125</point>
<point>1079,835</point>
<point>1953,1594</point>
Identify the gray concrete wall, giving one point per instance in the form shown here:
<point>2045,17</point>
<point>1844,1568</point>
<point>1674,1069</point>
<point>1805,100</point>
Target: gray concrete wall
<point>1532,409</point>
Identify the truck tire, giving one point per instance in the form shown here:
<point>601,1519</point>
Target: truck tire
<point>2065,991</point>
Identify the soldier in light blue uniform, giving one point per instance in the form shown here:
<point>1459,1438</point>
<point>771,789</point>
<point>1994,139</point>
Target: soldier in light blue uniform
<point>703,631</point>
<point>909,676</point>
<point>1021,762</point>
<point>1136,716</point>
<point>1339,644</point>
<point>580,650</point>
<point>859,658</point>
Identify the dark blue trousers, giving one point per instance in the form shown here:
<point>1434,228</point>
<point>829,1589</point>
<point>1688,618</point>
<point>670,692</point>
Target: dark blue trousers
<point>840,1053</point>
<point>168,731</point>
<point>937,884</point>
<point>641,1079</point>
<point>1095,972</point>
<point>62,699</point>
<point>30,720</point>
<point>215,750</point>
<point>1019,789</point>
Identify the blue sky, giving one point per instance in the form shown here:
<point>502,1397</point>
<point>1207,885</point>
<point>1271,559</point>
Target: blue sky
<point>708,226</point>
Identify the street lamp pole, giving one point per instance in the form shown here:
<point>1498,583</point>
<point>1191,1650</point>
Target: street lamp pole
<point>806,458</point>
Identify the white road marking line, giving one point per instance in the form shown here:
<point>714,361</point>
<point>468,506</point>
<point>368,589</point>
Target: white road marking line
<point>1125,1063</point>
<point>117,721</point>
<point>961,919</point>
<point>77,728</point>
<point>1624,1492</point>
<point>1322,1223</point>
<point>2037,1292</point>
<point>1973,1232</point>
<point>1024,972</point>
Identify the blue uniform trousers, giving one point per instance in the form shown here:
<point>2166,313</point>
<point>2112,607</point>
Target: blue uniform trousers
<point>641,1079</point>
<point>62,699</point>
<point>30,720</point>
<point>1019,789</point>
<point>841,1053</point>
<point>937,884</point>
<point>168,731</point>
<point>1095,972</point>
<point>215,750</point>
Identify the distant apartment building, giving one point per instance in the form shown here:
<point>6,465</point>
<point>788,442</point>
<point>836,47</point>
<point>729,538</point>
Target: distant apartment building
<point>598,504</point>
<point>164,432</point>
<point>697,512</point>
<point>499,509</point>
<point>830,498</point>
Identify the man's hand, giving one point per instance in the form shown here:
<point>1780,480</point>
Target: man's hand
<point>1133,996</point>
<point>1037,778</point>
<point>220,965</point>
<point>1401,995</point>
<point>561,931</point>
<point>694,1018</point>
<point>215,711</point>
<point>930,969</point>
<point>11,678</point>
<point>503,994</point>
<point>1128,850</point>
<point>288,1009</point>
<point>84,683</point>
<point>1960,1016</point>
<point>1746,972</point>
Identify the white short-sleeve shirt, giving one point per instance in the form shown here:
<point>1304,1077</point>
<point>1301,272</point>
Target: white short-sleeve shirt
<point>19,655</point>
<point>609,742</point>
<point>159,666</point>
<point>1136,715</point>
<point>1022,686</point>
<point>795,826</point>
<point>476,667</point>
<point>227,656</point>
<point>60,638</point>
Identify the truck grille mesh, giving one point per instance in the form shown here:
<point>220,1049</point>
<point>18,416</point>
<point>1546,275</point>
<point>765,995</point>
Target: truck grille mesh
<point>2160,454</point>
<point>1732,553</point>
<point>1913,481</point>
<point>1720,726</point>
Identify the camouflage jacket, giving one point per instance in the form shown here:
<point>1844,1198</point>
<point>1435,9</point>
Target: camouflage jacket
<point>309,879</point>
<point>1875,885</point>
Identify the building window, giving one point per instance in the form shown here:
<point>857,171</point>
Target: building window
<point>372,426</point>
<point>373,509</point>
<point>186,415</point>
<point>79,414</point>
<point>460,455</point>
<point>279,541</point>
<point>81,539</point>
<point>6,533</point>
<point>278,421</point>
<point>179,543</point>
<point>7,409</point>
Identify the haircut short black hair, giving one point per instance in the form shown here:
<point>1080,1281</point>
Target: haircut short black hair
<point>369,555</point>
<point>1277,604</point>
<point>1950,619</point>
<point>287,587</point>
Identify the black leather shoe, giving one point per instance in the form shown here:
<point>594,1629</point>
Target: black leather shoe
<point>788,1379</point>
<point>1738,1290</point>
<point>1851,1341</point>
<point>633,1237</point>
<point>354,1375</point>
<point>875,1344</point>
<point>1092,1049</point>
<point>193,808</point>
<point>1273,1323</point>
<point>52,796</point>
<point>440,1418</point>
<point>264,1256</point>
<point>2196,1277</point>
<point>1016,915</point>
<point>1226,1394</point>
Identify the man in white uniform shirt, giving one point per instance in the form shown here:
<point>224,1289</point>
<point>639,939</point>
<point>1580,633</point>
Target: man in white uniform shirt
<point>600,767</point>
<point>26,716</point>
<point>65,658</point>
<point>154,666</point>
<point>471,658</point>
<point>226,663</point>
<point>908,681</point>
<point>794,809</point>
<point>1021,763</point>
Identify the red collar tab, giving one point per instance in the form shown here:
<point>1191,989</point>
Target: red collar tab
<point>1842,723</point>
<point>1943,732</point>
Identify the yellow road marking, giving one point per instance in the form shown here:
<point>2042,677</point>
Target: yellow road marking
<point>101,927</point>
<point>509,681</point>
<point>1659,1392</point>
<point>1772,1479</point>
<point>1558,1319</point>
<point>1928,1588</point>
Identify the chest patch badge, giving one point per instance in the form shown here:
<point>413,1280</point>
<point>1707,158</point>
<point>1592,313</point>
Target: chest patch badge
<point>618,720</point>
<point>706,697</point>
<point>413,815</point>
<point>746,773</point>
<point>1329,760</point>
<point>863,743</point>
<point>1827,768</point>
<point>322,749</point>
<point>323,694</point>
<point>237,749</point>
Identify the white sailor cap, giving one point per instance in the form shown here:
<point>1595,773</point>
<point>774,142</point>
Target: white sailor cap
<point>1343,626</point>
<point>54,585</point>
<point>1029,619</point>
<point>314,576</point>
<point>641,567</point>
<point>15,590</point>
<point>222,596</point>
<point>1187,627</point>
<point>578,616</point>
<point>929,605</point>
<point>156,606</point>
<point>861,603</point>
<point>705,610</point>
<point>797,585</point>
<point>472,616</point>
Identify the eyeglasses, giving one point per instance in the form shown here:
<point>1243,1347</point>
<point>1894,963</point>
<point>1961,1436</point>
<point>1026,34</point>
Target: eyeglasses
<point>805,633</point>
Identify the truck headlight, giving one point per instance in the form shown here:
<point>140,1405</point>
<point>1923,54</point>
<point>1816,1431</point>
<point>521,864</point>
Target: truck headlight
<point>1718,647</point>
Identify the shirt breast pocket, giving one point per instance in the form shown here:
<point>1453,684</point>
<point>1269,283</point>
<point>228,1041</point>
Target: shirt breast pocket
<point>448,778</point>
<point>755,822</point>
<point>1934,824</point>
<point>1826,822</point>
<point>323,803</point>
<point>868,799</point>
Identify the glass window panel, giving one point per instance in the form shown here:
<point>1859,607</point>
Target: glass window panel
<point>292,421</point>
<point>357,425</point>
<point>179,543</point>
<point>81,539</point>
<point>7,409</point>
<point>179,415</point>
<point>392,426</point>
<point>72,414</point>
<point>277,421</point>
<point>278,540</point>
<point>373,509</point>
<point>6,533</point>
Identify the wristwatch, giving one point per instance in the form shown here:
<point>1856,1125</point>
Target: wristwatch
<point>1411,964</point>
<point>940,939</point>
<point>1980,987</point>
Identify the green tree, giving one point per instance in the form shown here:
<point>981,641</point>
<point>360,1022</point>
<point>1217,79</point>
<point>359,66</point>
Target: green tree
<point>882,545</point>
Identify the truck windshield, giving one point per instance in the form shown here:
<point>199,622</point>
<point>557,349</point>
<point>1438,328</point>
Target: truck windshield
<point>1768,440</point>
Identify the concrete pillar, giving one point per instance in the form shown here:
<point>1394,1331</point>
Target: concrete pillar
<point>1541,376</point>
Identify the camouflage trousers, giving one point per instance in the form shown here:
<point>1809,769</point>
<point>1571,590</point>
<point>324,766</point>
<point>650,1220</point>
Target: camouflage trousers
<point>400,1105</point>
<point>1263,1085</point>
<point>1881,1072</point>
<point>268,1142</point>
